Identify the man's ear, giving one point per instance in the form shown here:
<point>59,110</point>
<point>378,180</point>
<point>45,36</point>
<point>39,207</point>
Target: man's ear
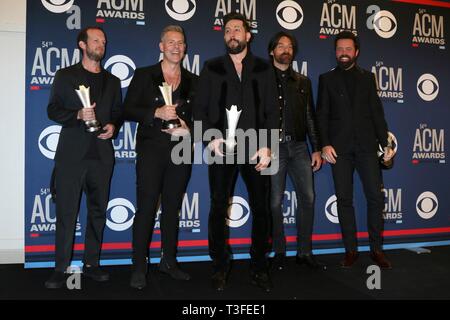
<point>82,45</point>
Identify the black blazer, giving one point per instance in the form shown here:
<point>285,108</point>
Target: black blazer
<point>63,107</point>
<point>341,123</point>
<point>144,97</point>
<point>219,88</point>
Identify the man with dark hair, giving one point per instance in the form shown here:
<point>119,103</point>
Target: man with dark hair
<point>297,121</point>
<point>237,79</point>
<point>84,158</point>
<point>352,125</point>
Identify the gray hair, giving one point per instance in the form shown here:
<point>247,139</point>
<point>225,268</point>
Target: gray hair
<point>174,28</point>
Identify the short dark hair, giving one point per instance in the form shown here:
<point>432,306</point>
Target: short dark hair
<point>236,16</point>
<point>347,35</point>
<point>83,35</point>
<point>276,38</point>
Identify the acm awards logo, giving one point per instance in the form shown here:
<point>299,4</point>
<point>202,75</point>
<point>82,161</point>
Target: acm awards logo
<point>122,67</point>
<point>428,29</point>
<point>289,15</point>
<point>191,65</point>
<point>336,17</point>
<point>189,214</point>
<point>180,10</point>
<point>383,22</point>
<point>389,81</point>
<point>121,10</point>
<point>246,7</point>
<point>427,87</point>
<point>125,143</point>
<point>47,60</point>
<point>65,6</point>
<point>429,145</point>
<point>392,211</point>
<point>290,207</point>
<point>427,205</point>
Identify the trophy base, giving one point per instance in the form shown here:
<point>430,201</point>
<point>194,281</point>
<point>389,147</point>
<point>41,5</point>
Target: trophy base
<point>172,124</point>
<point>92,126</point>
<point>386,165</point>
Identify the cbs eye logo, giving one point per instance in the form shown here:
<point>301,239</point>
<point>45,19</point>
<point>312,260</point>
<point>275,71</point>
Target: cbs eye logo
<point>238,212</point>
<point>57,6</point>
<point>427,87</point>
<point>181,10</point>
<point>289,15</point>
<point>48,141</point>
<point>385,24</point>
<point>331,209</point>
<point>427,205</point>
<point>122,67</point>
<point>120,214</point>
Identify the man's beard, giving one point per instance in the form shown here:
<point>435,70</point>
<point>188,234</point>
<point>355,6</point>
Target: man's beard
<point>94,55</point>
<point>237,49</point>
<point>346,64</point>
<point>284,58</point>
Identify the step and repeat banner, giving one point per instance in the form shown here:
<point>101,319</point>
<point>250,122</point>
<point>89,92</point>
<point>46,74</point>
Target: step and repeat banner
<point>403,44</point>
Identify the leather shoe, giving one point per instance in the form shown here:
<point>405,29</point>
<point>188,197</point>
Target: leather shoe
<point>349,259</point>
<point>56,280</point>
<point>262,280</point>
<point>138,280</point>
<point>173,270</point>
<point>380,259</point>
<point>277,263</point>
<point>219,280</point>
<point>95,273</point>
<point>310,261</point>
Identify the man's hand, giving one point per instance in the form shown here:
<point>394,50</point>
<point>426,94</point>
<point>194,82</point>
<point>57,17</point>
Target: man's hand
<point>166,113</point>
<point>388,154</point>
<point>264,155</point>
<point>86,114</point>
<point>179,132</point>
<point>316,161</point>
<point>215,144</point>
<point>329,154</point>
<point>109,131</point>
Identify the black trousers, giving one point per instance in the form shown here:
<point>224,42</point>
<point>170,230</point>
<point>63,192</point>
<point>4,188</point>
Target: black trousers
<point>368,168</point>
<point>157,176</point>
<point>93,177</point>
<point>221,183</point>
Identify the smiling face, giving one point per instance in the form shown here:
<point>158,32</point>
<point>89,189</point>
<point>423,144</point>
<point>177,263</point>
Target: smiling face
<point>173,47</point>
<point>346,53</point>
<point>236,37</point>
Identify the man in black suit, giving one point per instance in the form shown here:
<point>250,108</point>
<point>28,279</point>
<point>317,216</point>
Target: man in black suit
<point>157,174</point>
<point>297,122</point>
<point>84,160</point>
<point>241,79</point>
<point>352,124</point>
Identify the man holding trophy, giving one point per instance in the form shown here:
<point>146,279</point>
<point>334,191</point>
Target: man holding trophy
<point>352,125</point>
<point>234,94</point>
<point>160,99</point>
<point>86,101</point>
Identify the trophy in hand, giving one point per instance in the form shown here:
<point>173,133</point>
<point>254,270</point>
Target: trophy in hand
<point>166,91</point>
<point>232,120</point>
<point>392,143</point>
<point>83,94</point>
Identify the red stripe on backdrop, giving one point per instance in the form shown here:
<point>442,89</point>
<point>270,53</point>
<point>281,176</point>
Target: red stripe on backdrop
<point>237,241</point>
<point>427,2</point>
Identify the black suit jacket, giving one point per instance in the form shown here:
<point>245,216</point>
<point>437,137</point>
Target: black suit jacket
<point>343,123</point>
<point>63,107</point>
<point>219,88</point>
<point>144,97</point>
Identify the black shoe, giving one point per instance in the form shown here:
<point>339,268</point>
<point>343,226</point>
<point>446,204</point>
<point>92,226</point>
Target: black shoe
<point>56,280</point>
<point>310,261</point>
<point>219,280</point>
<point>262,280</point>
<point>173,270</point>
<point>278,262</point>
<point>138,280</point>
<point>95,273</point>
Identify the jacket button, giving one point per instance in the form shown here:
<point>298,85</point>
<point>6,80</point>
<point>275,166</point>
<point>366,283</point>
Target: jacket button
<point>188,101</point>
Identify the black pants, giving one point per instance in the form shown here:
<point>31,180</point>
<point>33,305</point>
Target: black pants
<point>368,168</point>
<point>294,160</point>
<point>157,176</point>
<point>93,177</point>
<point>221,184</point>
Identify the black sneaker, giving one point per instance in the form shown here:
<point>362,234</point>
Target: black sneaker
<point>56,280</point>
<point>262,280</point>
<point>173,270</point>
<point>95,273</point>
